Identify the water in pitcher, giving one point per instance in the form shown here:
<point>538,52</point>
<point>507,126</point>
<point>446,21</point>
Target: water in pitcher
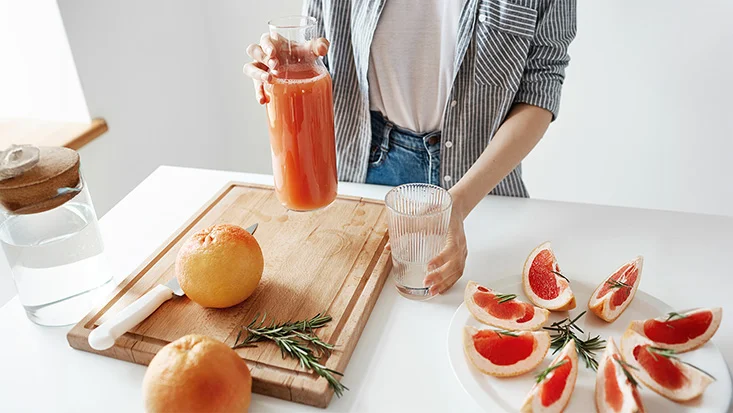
<point>55,257</point>
<point>411,254</point>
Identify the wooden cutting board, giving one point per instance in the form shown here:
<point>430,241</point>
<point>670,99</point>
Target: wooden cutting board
<point>330,260</point>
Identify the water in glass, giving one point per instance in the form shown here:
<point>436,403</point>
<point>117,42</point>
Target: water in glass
<point>418,217</point>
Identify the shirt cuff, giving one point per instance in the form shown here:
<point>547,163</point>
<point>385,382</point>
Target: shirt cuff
<point>545,95</point>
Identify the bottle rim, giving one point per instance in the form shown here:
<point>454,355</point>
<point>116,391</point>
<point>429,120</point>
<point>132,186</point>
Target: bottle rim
<point>292,22</point>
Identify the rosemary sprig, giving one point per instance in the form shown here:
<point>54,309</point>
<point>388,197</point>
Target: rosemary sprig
<point>671,354</point>
<point>543,375</point>
<point>502,298</point>
<point>560,275</point>
<point>501,333</point>
<point>624,367</point>
<point>674,315</point>
<point>563,333</point>
<point>617,284</point>
<point>297,340</point>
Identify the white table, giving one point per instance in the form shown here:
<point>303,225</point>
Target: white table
<point>400,363</point>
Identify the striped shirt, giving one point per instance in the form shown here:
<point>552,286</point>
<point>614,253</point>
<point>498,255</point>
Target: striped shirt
<point>507,52</point>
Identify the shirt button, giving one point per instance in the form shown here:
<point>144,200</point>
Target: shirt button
<point>448,144</point>
<point>447,178</point>
<point>453,104</point>
<point>482,18</point>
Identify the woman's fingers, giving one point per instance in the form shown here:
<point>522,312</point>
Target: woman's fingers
<point>447,267</point>
<point>444,286</point>
<point>320,46</point>
<point>262,97</point>
<point>256,71</point>
<point>265,60</point>
<point>444,277</point>
<point>268,46</point>
<point>256,53</point>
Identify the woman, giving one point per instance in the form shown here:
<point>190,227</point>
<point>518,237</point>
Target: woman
<point>422,87</point>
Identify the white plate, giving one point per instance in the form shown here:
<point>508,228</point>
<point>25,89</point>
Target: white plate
<point>492,393</point>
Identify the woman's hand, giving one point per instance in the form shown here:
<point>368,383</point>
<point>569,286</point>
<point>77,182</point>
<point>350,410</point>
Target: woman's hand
<point>446,268</point>
<point>265,60</point>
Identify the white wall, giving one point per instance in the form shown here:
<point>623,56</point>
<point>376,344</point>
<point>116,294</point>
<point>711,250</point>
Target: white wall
<point>646,112</point>
<point>37,74</point>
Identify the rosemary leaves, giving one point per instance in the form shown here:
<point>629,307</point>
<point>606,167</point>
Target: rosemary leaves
<point>617,284</point>
<point>674,315</point>
<point>625,368</point>
<point>543,374</point>
<point>502,298</point>
<point>297,340</point>
<point>559,274</point>
<point>671,354</point>
<point>565,330</point>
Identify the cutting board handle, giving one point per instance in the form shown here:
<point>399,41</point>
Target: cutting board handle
<point>104,336</point>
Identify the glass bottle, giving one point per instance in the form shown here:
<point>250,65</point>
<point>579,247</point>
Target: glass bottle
<point>50,234</point>
<point>300,117</point>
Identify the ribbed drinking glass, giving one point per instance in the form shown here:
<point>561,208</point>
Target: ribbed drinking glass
<point>418,217</point>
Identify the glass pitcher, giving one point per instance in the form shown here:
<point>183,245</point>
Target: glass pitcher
<point>300,117</point>
<point>50,234</point>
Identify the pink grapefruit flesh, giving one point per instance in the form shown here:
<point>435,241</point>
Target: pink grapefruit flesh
<point>503,350</point>
<point>508,310</point>
<point>678,330</point>
<point>660,368</point>
<point>541,278</point>
<point>614,397</point>
<point>626,274</point>
<point>553,387</point>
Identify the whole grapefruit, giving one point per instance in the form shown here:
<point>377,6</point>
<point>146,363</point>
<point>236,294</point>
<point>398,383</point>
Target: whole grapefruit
<point>197,374</point>
<point>219,266</point>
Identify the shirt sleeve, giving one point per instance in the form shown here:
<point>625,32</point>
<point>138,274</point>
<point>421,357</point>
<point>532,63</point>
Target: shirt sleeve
<point>548,57</point>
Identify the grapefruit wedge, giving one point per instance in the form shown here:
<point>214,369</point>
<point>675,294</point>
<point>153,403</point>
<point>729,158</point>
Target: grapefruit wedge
<point>554,385</point>
<point>543,282</point>
<point>505,353</point>
<point>502,310</point>
<point>680,332</point>
<point>661,370</point>
<point>616,389</point>
<point>615,293</point>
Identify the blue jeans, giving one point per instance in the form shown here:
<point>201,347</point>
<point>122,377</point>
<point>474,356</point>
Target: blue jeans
<point>400,156</point>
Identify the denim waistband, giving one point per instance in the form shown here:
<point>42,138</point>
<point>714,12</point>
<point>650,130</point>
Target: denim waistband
<point>389,132</point>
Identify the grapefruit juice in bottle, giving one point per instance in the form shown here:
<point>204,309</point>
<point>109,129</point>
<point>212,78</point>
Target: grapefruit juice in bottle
<point>300,119</point>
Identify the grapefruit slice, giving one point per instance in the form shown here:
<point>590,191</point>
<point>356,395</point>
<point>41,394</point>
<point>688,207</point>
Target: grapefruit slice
<point>555,384</point>
<point>661,370</point>
<point>680,332</point>
<point>615,293</point>
<point>543,282</point>
<point>505,353</point>
<point>616,389</point>
<point>502,310</point>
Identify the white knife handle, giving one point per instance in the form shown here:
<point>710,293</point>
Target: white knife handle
<point>104,336</point>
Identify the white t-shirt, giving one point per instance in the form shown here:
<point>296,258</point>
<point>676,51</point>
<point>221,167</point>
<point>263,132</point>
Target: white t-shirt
<point>411,61</point>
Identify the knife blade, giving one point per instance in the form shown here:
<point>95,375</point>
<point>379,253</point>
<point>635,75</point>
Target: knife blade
<point>104,336</point>
<point>252,228</point>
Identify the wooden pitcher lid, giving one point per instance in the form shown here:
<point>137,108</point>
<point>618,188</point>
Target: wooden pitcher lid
<point>34,179</point>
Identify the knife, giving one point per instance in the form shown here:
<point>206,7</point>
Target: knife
<point>104,336</point>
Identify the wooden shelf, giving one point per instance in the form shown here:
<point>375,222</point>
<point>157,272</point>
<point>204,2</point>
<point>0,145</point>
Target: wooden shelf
<point>49,133</point>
